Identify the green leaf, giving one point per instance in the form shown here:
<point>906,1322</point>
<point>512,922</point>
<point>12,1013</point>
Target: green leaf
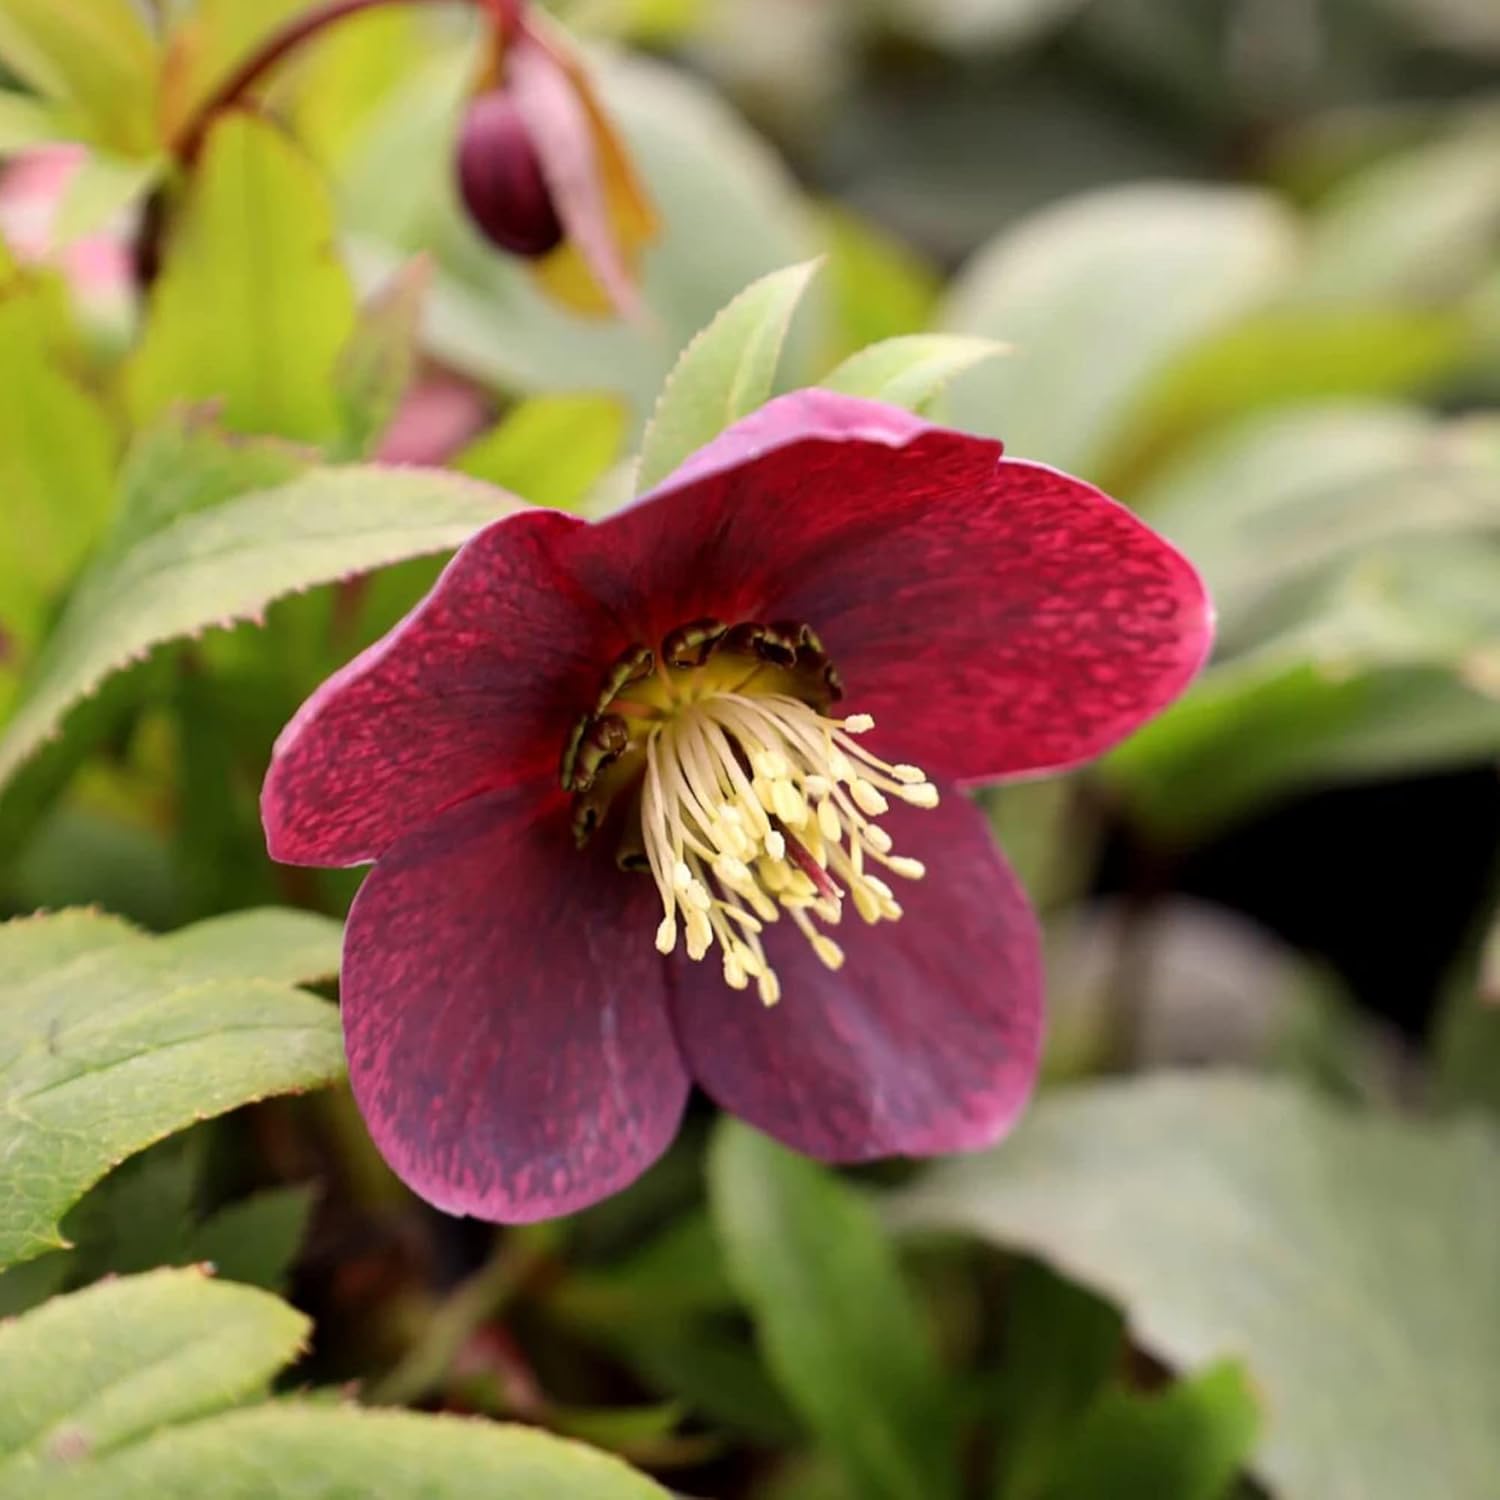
<point>1099,296</point>
<point>723,374</point>
<point>1062,1347</point>
<point>376,365</point>
<point>273,943</point>
<point>302,1451</point>
<point>218,566</point>
<point>56,460</point>
<point>255,1240</point>
<point>911,371</point>
<point>1351,1261</point>
<point>1187,1444</point>
<point>550,450</point>
<point>1287,355</point>
<point>112,1041</point>
<point>254,243</point>
<point>100,191</point>
<point>1419,227</point>
<point>26,121</point>
<point>94,56</point>
<point>835,1324</point>
<point>98,1369</point>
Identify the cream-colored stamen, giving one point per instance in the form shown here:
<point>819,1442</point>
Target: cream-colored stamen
<point>761,802</point>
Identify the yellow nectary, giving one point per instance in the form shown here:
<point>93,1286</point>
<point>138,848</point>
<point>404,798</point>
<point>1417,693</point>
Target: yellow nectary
<point>745,800</point>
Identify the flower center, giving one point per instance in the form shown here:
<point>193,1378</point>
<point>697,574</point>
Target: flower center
<point>740,793</point>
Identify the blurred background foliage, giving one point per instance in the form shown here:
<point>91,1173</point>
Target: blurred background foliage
<point>1245,255</point>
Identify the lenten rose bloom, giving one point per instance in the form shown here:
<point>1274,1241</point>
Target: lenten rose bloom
<point>645,804</point>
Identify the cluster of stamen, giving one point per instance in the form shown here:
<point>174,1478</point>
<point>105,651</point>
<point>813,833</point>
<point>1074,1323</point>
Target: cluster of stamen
<point>747,800</point>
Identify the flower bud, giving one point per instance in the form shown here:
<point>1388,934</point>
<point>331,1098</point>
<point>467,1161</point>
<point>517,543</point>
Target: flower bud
<point>501,178</point>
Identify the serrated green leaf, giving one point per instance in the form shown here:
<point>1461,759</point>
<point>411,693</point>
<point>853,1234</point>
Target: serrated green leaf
<point>112,1041</point>
<point>272,943</point>
<point>723,374</point>
<point>222,565</point>
<point>305,1451</point>
<point>1099,296</point>
<point>1188,1443</point>
<point>835,1324</point>
<point>86,1373</point>
<point>911,371</point>
<point>1350,1260</point>
<point>253,242</point>
<point>94,56</point>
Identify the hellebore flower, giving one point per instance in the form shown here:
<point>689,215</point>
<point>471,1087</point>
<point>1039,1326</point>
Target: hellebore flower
<point>544,175</point>
<point>644,803</point>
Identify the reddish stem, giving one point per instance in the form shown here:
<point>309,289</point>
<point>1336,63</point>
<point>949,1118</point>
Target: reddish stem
<point>505,16</point>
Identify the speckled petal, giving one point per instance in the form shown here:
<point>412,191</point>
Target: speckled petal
<point>505,1013</point>
<point>926,1041</point>
<point>475,690</point>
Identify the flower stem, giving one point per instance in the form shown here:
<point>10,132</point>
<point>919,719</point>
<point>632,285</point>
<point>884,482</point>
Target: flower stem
<point>504,15</point>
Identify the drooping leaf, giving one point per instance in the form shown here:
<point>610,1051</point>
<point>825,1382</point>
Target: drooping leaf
<point>834,1321</point>
<point>1188,1443</point>
<point>1099,296</point>
<point>112,1040</point>
<point>1349,1260</point>
<point>724,374</point>
<point>911,371</point>
<point>253,305</point>
<point>225,564</point>
<point>90,1372</point>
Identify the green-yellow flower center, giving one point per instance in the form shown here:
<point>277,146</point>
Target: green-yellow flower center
<point>739,791</point>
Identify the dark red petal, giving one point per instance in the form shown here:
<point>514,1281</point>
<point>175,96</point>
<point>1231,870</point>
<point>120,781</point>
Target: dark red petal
<point>998,619</point>
<point>926,1041</point>
<point>995,616</point>
<point>505,1013</point>
<point>475,690</point>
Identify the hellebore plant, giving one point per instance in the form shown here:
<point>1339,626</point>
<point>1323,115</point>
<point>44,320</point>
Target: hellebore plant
<point>627,783</point>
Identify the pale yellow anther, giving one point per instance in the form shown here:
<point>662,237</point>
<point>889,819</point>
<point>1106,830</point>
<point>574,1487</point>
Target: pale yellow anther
<point>788,804</point>
<point>827,950</point>
<point>828,821</point>
<point>923,795</point>
<point>745,794</point>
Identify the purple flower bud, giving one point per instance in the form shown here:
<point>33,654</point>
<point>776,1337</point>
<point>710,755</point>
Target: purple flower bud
<point>501,178</point>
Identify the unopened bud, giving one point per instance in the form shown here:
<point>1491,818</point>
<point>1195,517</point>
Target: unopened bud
<point>501,178</point>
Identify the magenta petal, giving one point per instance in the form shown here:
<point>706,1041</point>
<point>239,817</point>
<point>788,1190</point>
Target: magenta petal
<point>1002,618</point>
<point>475,690</point>
<point>926,1041</point>
<point>505,1014</point>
